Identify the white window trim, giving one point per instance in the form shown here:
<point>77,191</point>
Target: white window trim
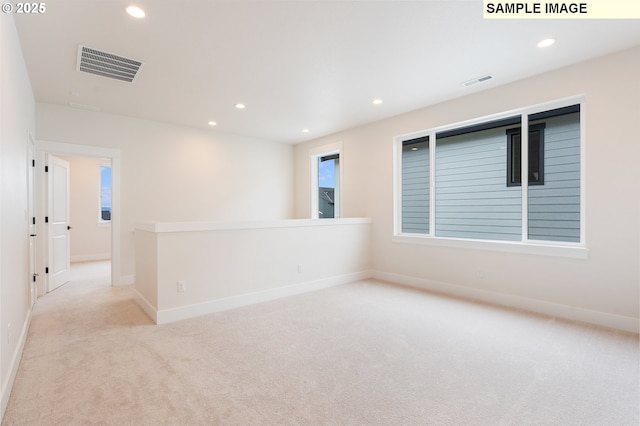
<point>314,154</point>
<point>526,246</point>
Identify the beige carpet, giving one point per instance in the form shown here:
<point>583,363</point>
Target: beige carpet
<point>366,353</point>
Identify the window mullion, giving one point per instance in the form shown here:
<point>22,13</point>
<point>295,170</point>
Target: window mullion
<point>524,176</point>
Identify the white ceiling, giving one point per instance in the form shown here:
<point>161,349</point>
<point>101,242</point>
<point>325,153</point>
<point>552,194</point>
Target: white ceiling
<point>295,64</point>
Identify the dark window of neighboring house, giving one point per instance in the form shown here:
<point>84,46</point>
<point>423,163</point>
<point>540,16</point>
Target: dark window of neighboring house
<point>536,155</point>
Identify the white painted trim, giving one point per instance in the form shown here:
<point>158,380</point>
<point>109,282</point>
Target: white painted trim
<point>212,306</point>
<point>126,280</point>
<point>146,306</point>
<point>90,257</point>
<point>7,385</point>
<point>557,249</point>
<point>226,226</point>
<point>603,319</point>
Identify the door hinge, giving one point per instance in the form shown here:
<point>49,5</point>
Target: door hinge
<point>46,219</point>
<point>33,220</point>
<point>46,270</point>
<point>46,169</point>
<point>35,277</point>
<point>33,163</point>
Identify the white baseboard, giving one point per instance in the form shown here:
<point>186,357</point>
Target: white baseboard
<point>146,306</point>
<point>7,384</point>
<point>548,308</point>
<point>90,257</point>
<point>218,305</point>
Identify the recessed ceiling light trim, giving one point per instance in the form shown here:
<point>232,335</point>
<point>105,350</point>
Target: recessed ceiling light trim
<point>240,106</point>
<point>135,11</point>
<point>477,80</point>
<point>94,61</point>
<point>546,42</point>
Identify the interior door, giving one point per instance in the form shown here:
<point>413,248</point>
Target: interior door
<point>58,229</point>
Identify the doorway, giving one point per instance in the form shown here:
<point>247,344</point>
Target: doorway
<point>89,216</point>
<point>44,149</point>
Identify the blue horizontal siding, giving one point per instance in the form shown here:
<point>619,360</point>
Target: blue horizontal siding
<point>472,200</point>
<point>554,208</point>
<point>415,188</point>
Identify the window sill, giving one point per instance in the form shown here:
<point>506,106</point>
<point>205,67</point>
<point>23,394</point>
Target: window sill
<point>567,250</point>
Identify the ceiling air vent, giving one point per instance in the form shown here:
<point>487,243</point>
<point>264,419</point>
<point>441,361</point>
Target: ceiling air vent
<point>478,80</point>
<point>106,64</point>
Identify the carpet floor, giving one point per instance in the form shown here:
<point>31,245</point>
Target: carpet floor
<point>366,353</point>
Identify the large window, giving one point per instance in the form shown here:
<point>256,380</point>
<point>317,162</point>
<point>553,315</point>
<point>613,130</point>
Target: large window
<point>514,177</point>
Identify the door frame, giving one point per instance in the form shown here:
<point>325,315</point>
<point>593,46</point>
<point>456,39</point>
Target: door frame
<point>44,148</point>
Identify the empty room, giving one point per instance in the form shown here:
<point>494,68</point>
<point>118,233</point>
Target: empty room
<point>265,212</point>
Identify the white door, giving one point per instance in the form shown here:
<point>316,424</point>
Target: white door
<point>58,229</point>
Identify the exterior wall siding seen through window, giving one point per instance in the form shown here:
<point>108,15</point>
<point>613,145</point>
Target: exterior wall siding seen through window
<point>475,196</point>
<point>415,186</point>
<point>554,208</point>
<point>472,200</point>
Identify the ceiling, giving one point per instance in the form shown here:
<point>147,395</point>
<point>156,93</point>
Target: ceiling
<point>315,65</point>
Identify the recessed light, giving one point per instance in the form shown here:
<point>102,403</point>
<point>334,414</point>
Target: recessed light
<point>546,42</point>
<point>305,130</point>
<point>240,106</point>
<point>377,101</point>
<point>212,123</point>
<point>135,11</point>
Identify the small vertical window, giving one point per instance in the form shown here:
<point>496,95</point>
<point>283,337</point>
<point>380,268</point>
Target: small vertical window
<point>328,186</point>
<point>536,156</point>
<point>105,193</point>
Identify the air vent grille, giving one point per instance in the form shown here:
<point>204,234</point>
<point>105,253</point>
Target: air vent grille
<point>478,80</point>
<point>106,64</point>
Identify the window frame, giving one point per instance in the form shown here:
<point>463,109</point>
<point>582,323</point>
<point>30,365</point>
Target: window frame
<point>315,154</point>
<point>525,245</point>
<point>101,221</point>
<point>539,128</point>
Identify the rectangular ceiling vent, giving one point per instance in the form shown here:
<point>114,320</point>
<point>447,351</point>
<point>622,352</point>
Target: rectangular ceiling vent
<point>106,64</point>
<point>478,80</point>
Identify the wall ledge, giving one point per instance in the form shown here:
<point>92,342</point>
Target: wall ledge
<point>160,227</point>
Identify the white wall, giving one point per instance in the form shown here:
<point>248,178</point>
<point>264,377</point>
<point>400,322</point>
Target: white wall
<point>235,264</point>
<point>17,112</point>
<point>607,282</point>
<point>90,240</point>
<point>174,173</point>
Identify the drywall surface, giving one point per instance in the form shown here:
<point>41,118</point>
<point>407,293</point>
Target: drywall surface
<point>17,123</point>
<point>201,268</point>
<point>175,173</point>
